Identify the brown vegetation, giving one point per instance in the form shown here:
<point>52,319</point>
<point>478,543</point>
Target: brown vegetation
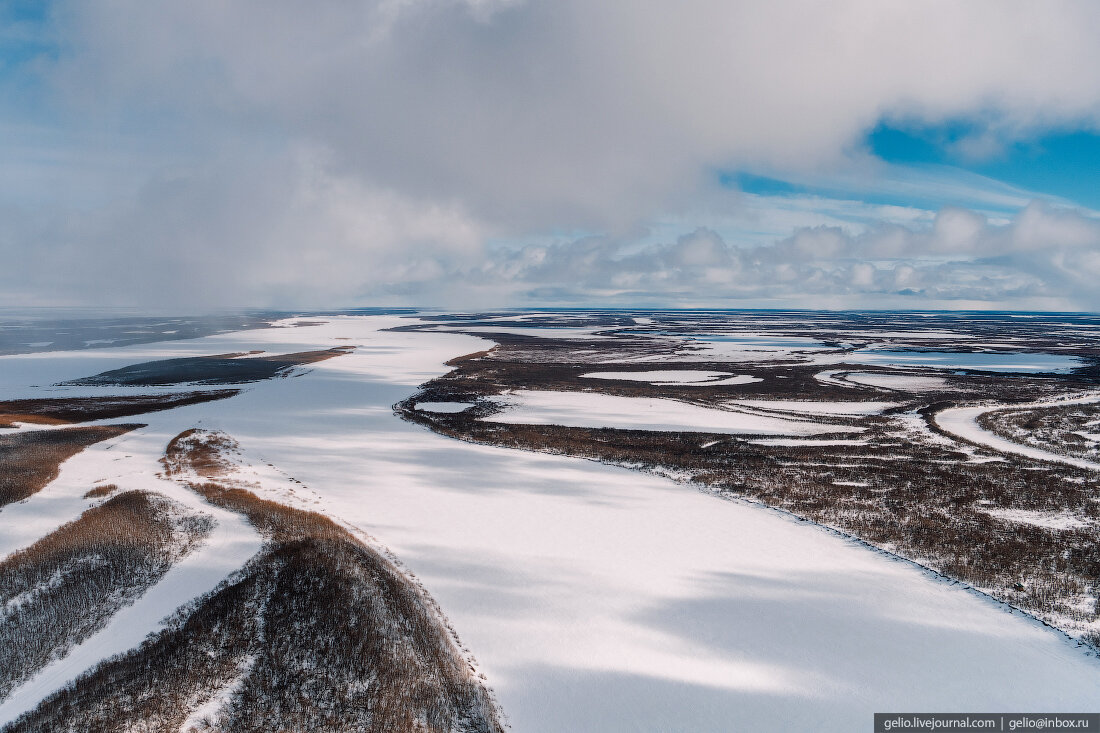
<point>66,586</point>
<point>318,632</point>
<point>98,492</point>
<point>63,410</point>
<point>29,460</point>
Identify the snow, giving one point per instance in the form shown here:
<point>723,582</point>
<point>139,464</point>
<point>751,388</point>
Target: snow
<point>1049,520</point>
<point>444,406</point>
<point>963,422</point>
<point>601,599</point>
<point>830,378</point>
<point>931,333</point>
<point>551,332</point>
<point>817,407</point>
<point>751,348</point>
<point>982,361</point>
<point>805,441</point>
<point>676,376</point>
<point>904,382</point>
<point>593,410</point>
<point>735,379</point>
<point>207,712</point>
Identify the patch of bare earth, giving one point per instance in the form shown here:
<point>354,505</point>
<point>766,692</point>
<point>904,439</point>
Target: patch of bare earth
<point>317,633</point>
<point>63,588</point>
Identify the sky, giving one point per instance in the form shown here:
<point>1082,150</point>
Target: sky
<point>190,157</point>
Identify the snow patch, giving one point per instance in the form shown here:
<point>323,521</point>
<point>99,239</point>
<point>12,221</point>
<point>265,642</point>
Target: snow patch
<point>679,377</point>
<point>449,407</point>
<point>593,410</point>
<point>1049,520</point>
<point>807,407</point>
<point>903,382</point>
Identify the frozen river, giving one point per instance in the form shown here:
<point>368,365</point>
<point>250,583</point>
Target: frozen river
<point>600,599</point>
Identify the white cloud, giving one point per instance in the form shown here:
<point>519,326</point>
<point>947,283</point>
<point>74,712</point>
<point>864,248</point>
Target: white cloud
<point>434,126</point>
<point>1044,258</point>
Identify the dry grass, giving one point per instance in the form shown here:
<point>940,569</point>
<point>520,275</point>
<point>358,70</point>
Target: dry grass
<point>98,492</point>
<point>30,460</point>
<point>66,586</point>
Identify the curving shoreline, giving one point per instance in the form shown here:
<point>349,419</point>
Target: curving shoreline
<point>962,422</point>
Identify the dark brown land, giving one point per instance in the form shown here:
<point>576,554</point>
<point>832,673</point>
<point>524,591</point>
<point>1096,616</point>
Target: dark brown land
<point>215,369</point>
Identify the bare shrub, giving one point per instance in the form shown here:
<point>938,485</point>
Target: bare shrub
<point>99,492</point>
<point>214,369</point>
<point>66,586</point>
<point>318,632</point>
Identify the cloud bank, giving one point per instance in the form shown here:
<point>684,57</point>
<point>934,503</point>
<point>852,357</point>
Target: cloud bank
<point>280,153</point>
<point>959,260</point>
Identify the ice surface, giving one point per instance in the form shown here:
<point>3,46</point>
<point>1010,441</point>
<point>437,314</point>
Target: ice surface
<point>594,410</point>
<point>444,406</point>
<point>677,377</point>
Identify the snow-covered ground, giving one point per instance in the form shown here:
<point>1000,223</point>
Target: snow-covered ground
<point>963,422</point>
<point>806,442</point>
<point>679,377</point>
<point>907,382</point>
<point>817,407</point>
<point>601,599</point>
<point>1049,520</point>
<point>594,410</point>
<point>984,361</point>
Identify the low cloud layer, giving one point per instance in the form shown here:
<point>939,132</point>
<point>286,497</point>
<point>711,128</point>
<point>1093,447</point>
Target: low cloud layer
<point>280,153</point>
<point>958,261</point>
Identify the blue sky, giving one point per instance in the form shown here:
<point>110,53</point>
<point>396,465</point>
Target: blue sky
<point>1063,164</point>
<point>528,152</point>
